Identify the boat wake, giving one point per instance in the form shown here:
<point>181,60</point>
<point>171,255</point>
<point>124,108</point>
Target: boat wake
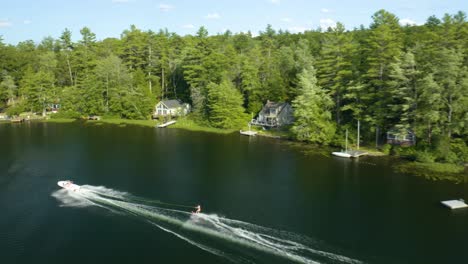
<point>238,241</point>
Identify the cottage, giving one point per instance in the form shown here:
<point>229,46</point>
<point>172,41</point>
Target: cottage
<point>274,115</point>
<point>400,137</point>
<point>171,108</point>
<point>53,108</point>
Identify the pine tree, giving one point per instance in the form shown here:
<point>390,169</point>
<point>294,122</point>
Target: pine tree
<point>428,115</point>
<point>66,48</point>
<point>224,105</point>
<point>38,88</point>
<point>335,68</point>
<point>450,74</point>
<point>383,48</point>
<point>312,111</point>
<point>250,83</point>
<point>403,93</point>
<point>112,76</point>
<point>8,90</point>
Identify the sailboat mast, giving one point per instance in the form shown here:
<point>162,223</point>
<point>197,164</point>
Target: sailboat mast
<point>346,144</point>
<point>358,130</point>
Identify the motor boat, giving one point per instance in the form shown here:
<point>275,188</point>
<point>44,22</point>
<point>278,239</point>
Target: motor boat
<point>69,185</point>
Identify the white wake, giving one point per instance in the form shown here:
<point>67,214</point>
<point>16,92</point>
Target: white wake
<point>238,241</point>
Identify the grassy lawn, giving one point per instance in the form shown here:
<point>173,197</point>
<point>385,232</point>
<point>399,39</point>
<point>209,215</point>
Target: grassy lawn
<point>116,121</point>
<point>372,151</point>
<point>58,120</point>
<point>188,124</point>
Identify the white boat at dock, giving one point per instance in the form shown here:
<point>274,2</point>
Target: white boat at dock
<point>349,153</point>
<point>342,154</point>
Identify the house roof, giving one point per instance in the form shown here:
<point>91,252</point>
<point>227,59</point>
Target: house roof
<point>271,104</point>
<point>395,130</point>
<point>174,103</point>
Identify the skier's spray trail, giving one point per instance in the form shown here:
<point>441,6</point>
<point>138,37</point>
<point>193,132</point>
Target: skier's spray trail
<point>238,241</point>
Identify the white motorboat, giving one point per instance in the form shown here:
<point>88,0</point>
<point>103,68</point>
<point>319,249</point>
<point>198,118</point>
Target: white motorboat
<point>69,185</point>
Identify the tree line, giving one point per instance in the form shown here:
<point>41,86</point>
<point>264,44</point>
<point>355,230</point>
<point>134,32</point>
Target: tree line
<point>387,76</point>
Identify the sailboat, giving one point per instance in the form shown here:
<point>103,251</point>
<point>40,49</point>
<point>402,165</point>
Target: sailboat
<point>351,153</point>
<point>344,154</point>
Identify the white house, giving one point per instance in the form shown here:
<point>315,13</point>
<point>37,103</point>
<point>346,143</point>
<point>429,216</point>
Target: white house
<point>274,115</point>
<point>171,108</point>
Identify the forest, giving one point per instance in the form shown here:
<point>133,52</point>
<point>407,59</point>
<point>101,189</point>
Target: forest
<point>387,76</point>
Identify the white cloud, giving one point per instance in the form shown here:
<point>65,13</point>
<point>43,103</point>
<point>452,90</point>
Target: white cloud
<point>165,7</point>
<point>297,29</point>
<point>325,10</point>
<point>286,19</point>
<point>27,22</point>
<point>5,23</point>
<point>213,16</point>
<point>188,26</point>
<point>276,2</point>
<point>120,1</point>
<point>327,22</point>
<point>407,21</point>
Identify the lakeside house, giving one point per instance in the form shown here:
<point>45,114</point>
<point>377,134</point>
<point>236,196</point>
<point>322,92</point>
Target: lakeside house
<point>170,108</point>
<point>400,137</point>
<point>53,108</point>
<point>274,114</point>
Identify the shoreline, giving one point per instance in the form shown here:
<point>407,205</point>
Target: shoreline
<point>434,171</point>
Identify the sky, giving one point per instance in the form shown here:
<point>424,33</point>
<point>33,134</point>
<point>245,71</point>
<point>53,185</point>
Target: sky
<point>22,20</point>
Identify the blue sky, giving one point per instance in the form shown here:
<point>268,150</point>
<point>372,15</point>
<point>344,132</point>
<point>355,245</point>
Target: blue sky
<point>35,19</point>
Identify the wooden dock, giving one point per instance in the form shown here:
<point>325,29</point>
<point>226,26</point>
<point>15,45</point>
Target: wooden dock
<point>248,133</point>
<point>455,204</point>
<point>356,153</point>
<point>17,120</point>
<point>167,124</point>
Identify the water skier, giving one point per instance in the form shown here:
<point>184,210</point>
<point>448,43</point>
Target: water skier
<point>198,209</point>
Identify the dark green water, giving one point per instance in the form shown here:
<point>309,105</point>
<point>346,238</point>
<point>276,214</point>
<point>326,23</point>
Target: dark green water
<point>359,209</point>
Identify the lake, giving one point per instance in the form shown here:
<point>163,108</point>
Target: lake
<point>263,200</point>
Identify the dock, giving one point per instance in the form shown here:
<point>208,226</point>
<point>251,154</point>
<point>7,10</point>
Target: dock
<point>166,124</point>
<point>455,204</point>
<point>17,120</point>
<point>356,153</point>
<point>248,133</point>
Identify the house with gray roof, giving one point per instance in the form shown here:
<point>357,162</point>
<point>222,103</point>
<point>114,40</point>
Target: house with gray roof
<point>402,137</point>
<point>171,108</point>
<point>274,114</point>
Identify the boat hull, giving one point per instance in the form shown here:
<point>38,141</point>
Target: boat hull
<point>68,185</point>
<point>342,154</point>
